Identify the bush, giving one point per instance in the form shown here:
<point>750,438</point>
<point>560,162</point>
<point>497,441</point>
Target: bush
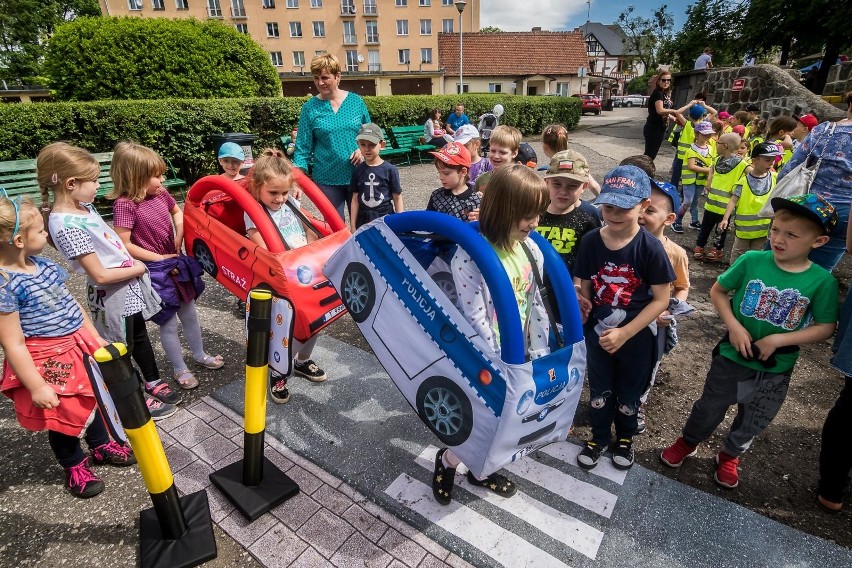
<point>155,58</point>
<point>179,128</point>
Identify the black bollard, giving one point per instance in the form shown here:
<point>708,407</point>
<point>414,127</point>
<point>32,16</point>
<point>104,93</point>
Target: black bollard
<point>176,531</point>
<point>254,484</point>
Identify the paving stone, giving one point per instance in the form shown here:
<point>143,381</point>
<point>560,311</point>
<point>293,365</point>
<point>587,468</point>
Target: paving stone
<point>247,532</point>
<point>400,547</point>
<point>432,562</point>
<point>192,432</point>
<point>227,427</point>
<point>332,499</point>
<point>357,551</point>
<point>220,506</point>
<point>325,532</point>
<point>179,457</point>
<point>194,477</point>
<point>458,562</point>
<point>365,522</point>
<point>310,558</point>
<point>279,546</point>
<point>283,463</point>
<point>214,448</point>
<point>308,483</point>
<point>294,512</point>
<point>204,411</point>
<point>173,421</point>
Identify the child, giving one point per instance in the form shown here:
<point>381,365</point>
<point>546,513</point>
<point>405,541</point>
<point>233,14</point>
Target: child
<point>724,118</point>
<point>780,300</point>
<point>468,135</point>
<point>748,196</point>
<point>118,288</point>
<point>554,138</point>
<point>659,214</point>
<point>743,150</point>
<point>375,183</point>
<point>696,166</point>
<point>290,148</point>
<point>503,145</point>
<point>804,124</point>
<point>626,275</point>
<point>739,118</point>
<point>779,129</point>
<point>150,224</point>
<point>45,337</point>
<point>231,158</point>
<point>728,168</point>
<point>454,197</point>
<point>270,182</point>
<point>752,115</point>
<point>691,114</point>
<point>510,211</point>
<point>757,133</point>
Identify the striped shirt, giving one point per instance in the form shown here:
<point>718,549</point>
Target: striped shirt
<point>44,305</point>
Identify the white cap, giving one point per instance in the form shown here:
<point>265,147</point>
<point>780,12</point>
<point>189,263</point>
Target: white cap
<point>466,133</point>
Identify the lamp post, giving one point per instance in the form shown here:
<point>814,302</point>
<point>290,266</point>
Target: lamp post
<point>460,5</point>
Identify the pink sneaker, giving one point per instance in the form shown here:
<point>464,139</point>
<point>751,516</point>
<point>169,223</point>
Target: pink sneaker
<point>726,471</point>
<point>113,453</point>
<point>674,455</point>
<point>81,481</point>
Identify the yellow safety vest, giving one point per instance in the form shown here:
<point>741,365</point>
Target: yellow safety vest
<point>687,176</point>
<point>748,224</point>
<point>687,137</point>
<point>721,187</point>
<point>754,142</point>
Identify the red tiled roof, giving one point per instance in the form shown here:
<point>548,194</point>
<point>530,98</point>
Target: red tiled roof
<point>514,53</point>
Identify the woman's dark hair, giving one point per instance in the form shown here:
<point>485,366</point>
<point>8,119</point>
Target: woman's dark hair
<point>433,113</point>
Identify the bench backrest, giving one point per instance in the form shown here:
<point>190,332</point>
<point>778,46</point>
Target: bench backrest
<point>407,136</point>
<point>18,177</point>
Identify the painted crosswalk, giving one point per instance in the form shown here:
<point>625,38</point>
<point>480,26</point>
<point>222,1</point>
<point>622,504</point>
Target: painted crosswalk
<point>548,512</point>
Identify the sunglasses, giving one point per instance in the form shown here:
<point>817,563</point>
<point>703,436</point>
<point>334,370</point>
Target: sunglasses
<point>664,80</point>
<point>16,203</point>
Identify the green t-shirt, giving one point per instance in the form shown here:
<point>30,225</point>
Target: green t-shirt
<point>519,271</point>
<point>769,300</point>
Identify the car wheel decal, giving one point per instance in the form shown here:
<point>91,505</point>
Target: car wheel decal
<point>445,409</point>
<point>357,291</point>
<point>202,254</point>
<point>445,283</point>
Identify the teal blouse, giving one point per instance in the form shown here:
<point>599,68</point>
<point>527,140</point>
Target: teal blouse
<point>326,138</point>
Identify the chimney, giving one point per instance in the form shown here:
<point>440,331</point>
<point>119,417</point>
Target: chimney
<point>537,29</point>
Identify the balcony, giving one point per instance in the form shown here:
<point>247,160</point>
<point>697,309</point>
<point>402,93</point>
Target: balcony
<point>374,67</point>
<point>350,40</point>
<point>372,39</point>
<point>238,12</point>
<point>347,8</point>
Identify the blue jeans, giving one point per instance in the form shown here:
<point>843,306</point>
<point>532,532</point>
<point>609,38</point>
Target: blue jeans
<point>829,254</point>
<point>842,360</point>
<point>338,195</point>
<point>690,201</point>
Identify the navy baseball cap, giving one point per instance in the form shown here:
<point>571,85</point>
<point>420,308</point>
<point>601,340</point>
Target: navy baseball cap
<point>624,187</point>
<point>769,149</point>
<point>670,191</point>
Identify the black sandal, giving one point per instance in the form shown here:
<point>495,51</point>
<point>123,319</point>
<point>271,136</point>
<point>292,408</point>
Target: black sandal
<point>443,480</point>
<point>499,484</point>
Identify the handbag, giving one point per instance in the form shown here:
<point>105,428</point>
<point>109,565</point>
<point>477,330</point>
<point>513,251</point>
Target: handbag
<point>799,180</point>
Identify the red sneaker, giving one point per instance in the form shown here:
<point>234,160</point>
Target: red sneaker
<point>674,455</point>
<point>726,474</point>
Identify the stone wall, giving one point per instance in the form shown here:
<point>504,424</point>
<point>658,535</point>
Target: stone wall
<point>776,90</point>
<point>839,79</point>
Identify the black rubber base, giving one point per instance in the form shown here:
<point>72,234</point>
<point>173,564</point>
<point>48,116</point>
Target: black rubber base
<point>252,502</point>
<point>196,546</point>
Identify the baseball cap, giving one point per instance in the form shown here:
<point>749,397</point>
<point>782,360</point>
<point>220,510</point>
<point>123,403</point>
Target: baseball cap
<point>738,129</point>
<point>569,164</point>
<point>454,154</point>
<point>696,112</point>
<point>808,120</point>
<point>724,115</point>
<point>670,191</point>
<point>231,150</point>
<point>704,127</point>
<point>624,187</point>
<point>466,133</point>
<point>371,132</point>
<point>810,205</point>
<point>766,149</point>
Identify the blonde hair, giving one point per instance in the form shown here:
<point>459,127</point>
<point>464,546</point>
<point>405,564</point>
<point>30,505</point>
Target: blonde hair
<point>59,162</point>
<point>515,192</point>
<point>731,140</point>
<point>473,145</point>
<point>26,212</point>
<point>271,164</point>
<point>507,136</point>
<point>555,137</point>
<point>323,62</point>
<point>133,166</point>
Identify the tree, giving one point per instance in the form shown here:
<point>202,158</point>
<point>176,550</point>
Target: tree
<point>645,36</point>
<point>155,58</point>
<point>709,23</point>
<point>490,30</point>
<point>25,26</point>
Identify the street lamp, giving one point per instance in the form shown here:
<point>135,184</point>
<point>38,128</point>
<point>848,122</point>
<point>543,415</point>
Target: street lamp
<point>460,4</point>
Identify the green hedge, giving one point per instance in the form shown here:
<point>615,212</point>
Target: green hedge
<point>179,128</point>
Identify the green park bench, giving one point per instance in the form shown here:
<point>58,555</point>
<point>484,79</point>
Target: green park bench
<point>18,177</point>
<point>389,153</point>
<point>409,139</point>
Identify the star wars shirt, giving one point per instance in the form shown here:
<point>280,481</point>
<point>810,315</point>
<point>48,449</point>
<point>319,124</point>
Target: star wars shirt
<point>565,231</point>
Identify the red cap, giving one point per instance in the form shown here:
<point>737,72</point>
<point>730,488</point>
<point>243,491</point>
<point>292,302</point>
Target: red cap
<point>808,120</point>
<point>739,129</point>
<point>724,115</point>
<point>454,154</point>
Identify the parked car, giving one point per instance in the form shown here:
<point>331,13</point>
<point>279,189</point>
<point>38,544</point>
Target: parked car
<point>492,408</point>
<point>633,101</point>
<point>215,234</point>
<point>591,103</point>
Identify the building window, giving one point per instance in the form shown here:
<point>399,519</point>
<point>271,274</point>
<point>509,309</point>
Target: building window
<point>351,60</point>
<point>268,4</point>
<point>447,25</point>
<point>349,36</point>
<point>404,56</point>
<point>374,62</point>
<point>495,87</point>
<point>401,3</point>
<point>562,89</point>
<point>298,59</point>
<point>134,4</point>
<point>238,9</point>
<point>276,58</point>
<point>316,3</point>
<point>182,4</point>
<point>319,29</point>
<point>242,28</point>
<point>272,29</point>
<point>370,8</point>
<point>347,7</point>
<point>158,4</point>
<point>214,8</point>
<point>465,88</point>
<point>425,55</point>
<point>425,27</point>
<point>425,2</point>
<point>372,31</point>
<point>292,3</point>
<point>295,29</point>
<point>402,27</point>
<point>320,52</point>
<point>446,2</point>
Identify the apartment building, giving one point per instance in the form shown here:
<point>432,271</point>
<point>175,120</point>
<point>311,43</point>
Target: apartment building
<point>385,46</point>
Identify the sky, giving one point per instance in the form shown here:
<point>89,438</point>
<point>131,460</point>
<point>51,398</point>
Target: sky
<point>523,15</point>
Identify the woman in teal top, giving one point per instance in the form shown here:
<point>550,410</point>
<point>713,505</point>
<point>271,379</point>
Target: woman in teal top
<point>328,124</point>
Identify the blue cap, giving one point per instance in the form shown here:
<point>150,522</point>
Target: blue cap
<point>696,112</point>
<point>624,187</point>
<point>670,191</point>
<point>231,150</point>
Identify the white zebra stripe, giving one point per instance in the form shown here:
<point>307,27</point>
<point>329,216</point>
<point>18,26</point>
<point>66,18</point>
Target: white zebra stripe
<point>567,452</point>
